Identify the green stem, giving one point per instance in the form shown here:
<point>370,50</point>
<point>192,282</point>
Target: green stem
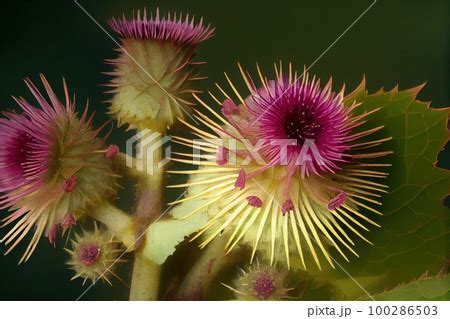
<point>117,221</point>
<point>124,165</point>
<point>145,280</point>
<point>211,261</point>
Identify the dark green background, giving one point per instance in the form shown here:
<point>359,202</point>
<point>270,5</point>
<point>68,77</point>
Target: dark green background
<point>405,42</point>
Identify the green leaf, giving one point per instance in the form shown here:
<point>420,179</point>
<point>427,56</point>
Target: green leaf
<point>163,236</point>
<point>414,237</point>
<point>423,289</point>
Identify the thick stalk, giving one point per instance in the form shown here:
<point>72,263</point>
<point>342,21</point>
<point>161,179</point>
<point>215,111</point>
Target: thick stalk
<point>125,165</point>
<point>211,261</point>
<point>117,221</point>
<point>145,279</point>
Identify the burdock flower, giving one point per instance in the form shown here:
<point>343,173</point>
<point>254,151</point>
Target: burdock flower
<point>93,255</point>
<point>289,168</point>
<point>261,283</point>
<point>154,71</point>
<point>52,167</point>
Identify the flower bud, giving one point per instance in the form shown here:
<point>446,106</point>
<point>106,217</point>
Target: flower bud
<point>154,72</point>
<point>93,255</point>
<point>261,283</point>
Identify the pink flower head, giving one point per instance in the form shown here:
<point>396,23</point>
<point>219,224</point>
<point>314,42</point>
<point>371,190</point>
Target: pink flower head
<point>51,163</point>
<point>181,29</point>
<point>89,254</point>
<point>155,73</point>
<point>27,140</point>
<point>308,153</point>
<point>300,124</point>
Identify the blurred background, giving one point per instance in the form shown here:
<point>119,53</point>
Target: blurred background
<point>404,42</point>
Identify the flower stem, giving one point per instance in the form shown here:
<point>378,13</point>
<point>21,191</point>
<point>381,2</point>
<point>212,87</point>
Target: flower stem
<point>124,165</point>
<point>117,221</point>
<point>145,280</point>
<point>199,277</point>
